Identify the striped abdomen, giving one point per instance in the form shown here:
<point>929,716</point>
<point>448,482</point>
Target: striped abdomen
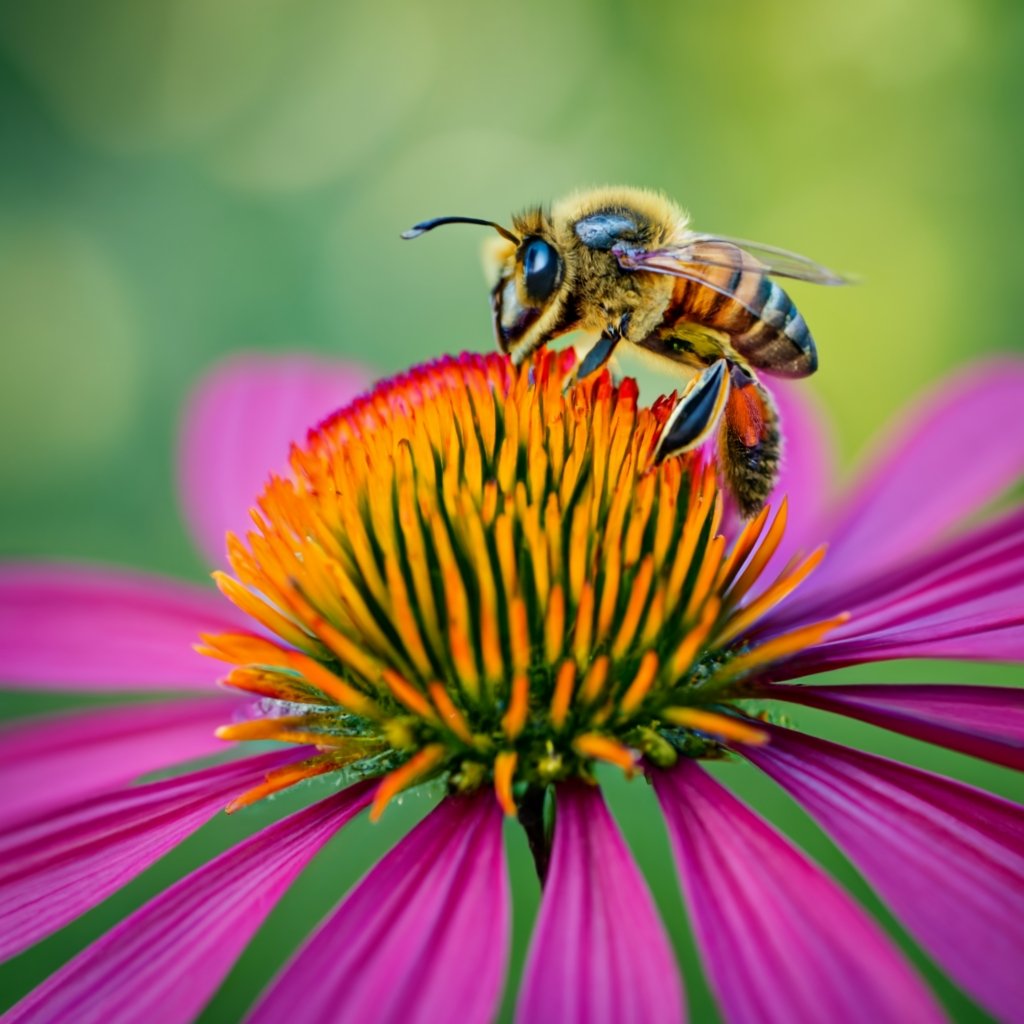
<point>764,326</point>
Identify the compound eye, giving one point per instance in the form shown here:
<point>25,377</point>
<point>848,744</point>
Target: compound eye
<point>542,269</point>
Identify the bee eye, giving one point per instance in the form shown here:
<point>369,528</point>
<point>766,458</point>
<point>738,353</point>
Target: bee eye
<point>542,269</point>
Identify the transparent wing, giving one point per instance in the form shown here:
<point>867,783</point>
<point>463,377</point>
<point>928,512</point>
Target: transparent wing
<point>785,348</point>
<point>667,261</point>
<point>741,254</point>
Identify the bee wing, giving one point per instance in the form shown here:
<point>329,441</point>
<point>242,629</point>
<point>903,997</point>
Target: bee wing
<point>787,348</point>
<point>698,251</point>
<point>741,254</point>
<point>677,262</point>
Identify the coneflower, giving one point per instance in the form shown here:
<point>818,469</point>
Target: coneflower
<point>477,578</point>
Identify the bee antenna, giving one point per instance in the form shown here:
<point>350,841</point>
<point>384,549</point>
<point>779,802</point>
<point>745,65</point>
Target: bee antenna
<point>428,225</point>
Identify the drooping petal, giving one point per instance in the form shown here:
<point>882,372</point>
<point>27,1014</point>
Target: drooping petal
<point>165,961</point>
<point>71,627</point>
<point>423,937</point>
<point>948,858</point>
<point>984,721</point>
<point>54,869</point>
<point>52,761</point>
<point>781,941</point>
<point>237,428</point>
<point>599,953</point>
<point>957,450</point>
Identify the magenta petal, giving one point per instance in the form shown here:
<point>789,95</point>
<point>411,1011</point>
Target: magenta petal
<point>238,427</point>
<point>71,627</point>
<point>974,638</point>
<point>957,451</point>
<point>599,953</point>
<point>984,721</point>
<point>806,475</point>
<point>966,600</point>
<point>54,869</point>
<point>165,961</point>
<point>948,858</point>
<point>422,938</point>
<point>782,942</point>
<point>51,761</point>
<point>969,564</point>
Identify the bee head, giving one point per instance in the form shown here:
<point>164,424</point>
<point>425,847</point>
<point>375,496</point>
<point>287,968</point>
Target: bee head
<point>529,280</point>
<point>528,274</point>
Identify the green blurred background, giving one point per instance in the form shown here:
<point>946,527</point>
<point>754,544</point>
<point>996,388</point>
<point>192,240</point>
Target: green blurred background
<point>181,179</point>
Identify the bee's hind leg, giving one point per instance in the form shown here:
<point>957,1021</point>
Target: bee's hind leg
<point>749,444</point>
<point>693,420</point>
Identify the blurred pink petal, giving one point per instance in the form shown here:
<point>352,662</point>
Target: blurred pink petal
<point>599,953</point>
<point>422,938</point>
<point>947,858</point>
<point>72,627</point>
<point>807,476</point>
<point>237,430</point>
<point>984,721</point>
<point>959,449</point>
<point>781,941</point>
<point>165,961</point>
<point>54,869</point>
<point>51,761</point>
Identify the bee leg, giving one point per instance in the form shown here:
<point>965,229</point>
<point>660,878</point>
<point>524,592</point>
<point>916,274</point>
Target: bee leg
<point>749,444</point>
<point>601,351</point>
<point>697,413</point>
<point>593,359</point>
<point>598,354</point>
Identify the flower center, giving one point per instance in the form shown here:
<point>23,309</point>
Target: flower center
<point>479,572</point>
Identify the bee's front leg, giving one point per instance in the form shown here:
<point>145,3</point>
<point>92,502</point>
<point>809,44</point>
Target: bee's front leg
<point>697,413</point>
<point>601,351</point>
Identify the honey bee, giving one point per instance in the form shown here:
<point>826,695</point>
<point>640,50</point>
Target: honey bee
<point>623,264</point>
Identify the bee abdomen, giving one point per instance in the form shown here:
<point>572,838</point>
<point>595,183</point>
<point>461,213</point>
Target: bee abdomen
<point>762,322</point>
<point>778,337</point>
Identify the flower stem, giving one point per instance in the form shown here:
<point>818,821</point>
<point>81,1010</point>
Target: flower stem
<point>538,830</point>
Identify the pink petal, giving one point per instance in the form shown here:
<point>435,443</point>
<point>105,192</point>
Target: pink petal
<point>971,638</point>
<point>984,721</point>
<point>165,961</point>
<point>237,429</point>
<point>964,599</point>
<point>599,953</point>
<point>423,937</point>
<point>959,449</point>
<point>966,564</point>
<point>53,869</point>
<point>55,760</point>
<point>71,627</point>
<point>782,942</point>
<point>948,858</point>
<point>807,475</point>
